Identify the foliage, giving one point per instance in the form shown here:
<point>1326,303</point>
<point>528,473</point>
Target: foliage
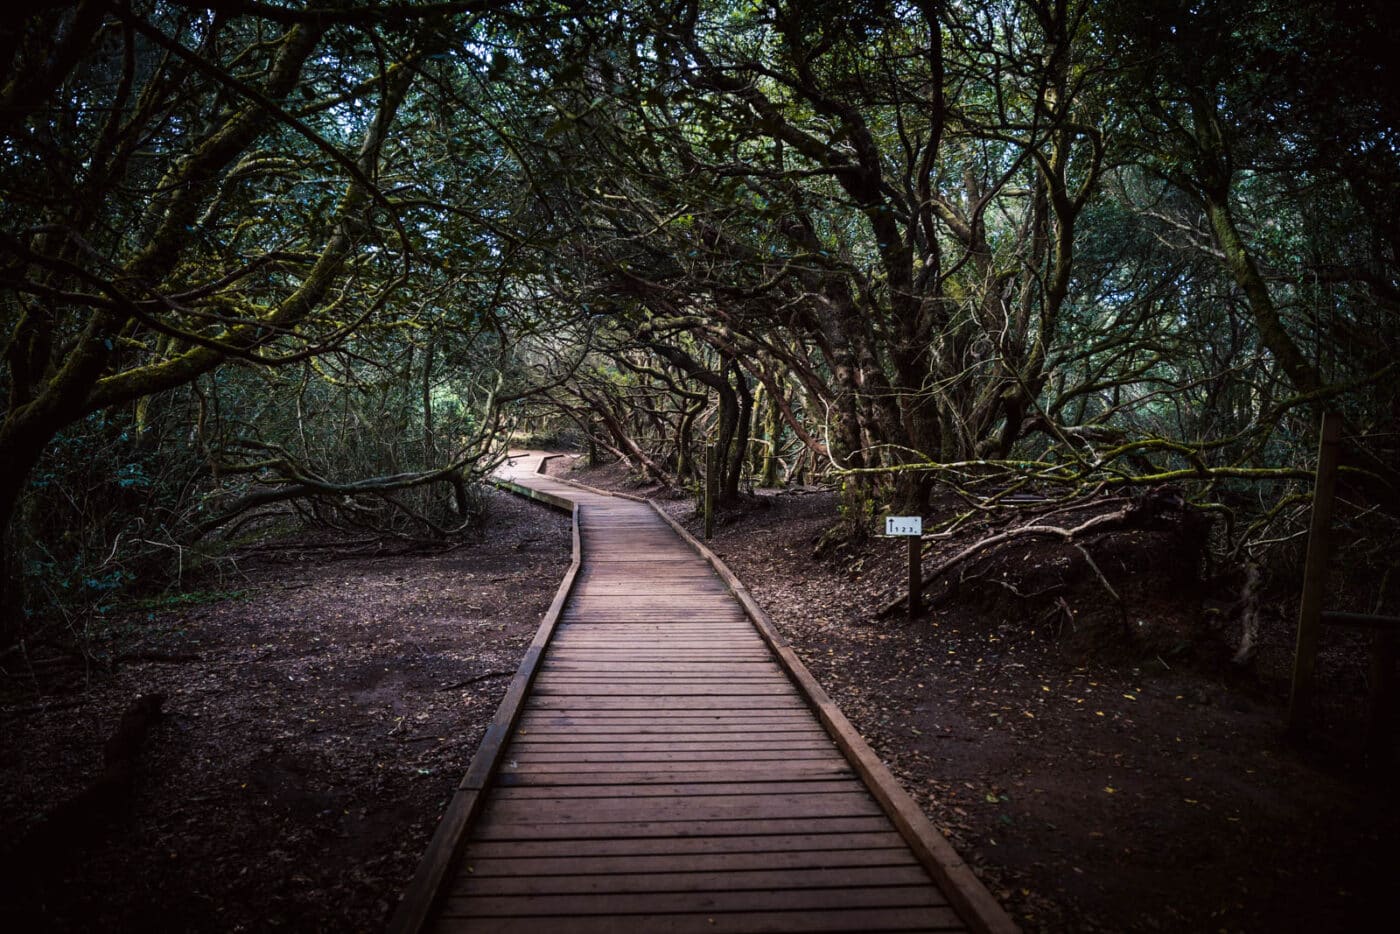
<point>267,262</point>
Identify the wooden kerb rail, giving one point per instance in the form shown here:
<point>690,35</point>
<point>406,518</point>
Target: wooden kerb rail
<point>664,762</point>
<point>466,802</point>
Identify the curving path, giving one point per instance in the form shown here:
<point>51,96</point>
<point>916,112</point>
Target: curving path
<point>669,766</point>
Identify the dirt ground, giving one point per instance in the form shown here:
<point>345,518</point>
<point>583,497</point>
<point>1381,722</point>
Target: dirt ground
<point>1103,769</point>
<point>1099,764</point>
<point>314,725</point>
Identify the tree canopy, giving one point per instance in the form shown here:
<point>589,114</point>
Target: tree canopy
<point>319,258</point>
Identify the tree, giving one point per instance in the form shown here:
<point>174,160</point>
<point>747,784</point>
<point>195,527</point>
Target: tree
<point>188,186</point>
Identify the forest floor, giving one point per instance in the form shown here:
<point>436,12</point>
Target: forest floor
<point>1099,764</point>
<point>1103,766</point>
<point>314,724</point>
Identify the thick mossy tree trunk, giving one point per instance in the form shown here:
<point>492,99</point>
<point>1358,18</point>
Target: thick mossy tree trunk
<point>743,429</point>
<point>1212,184</point>
<point>773,436</point>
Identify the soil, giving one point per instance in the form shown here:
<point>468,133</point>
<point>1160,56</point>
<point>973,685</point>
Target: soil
<point>1097,760</point>
<point>1100,762</point>
<point>314,724</point>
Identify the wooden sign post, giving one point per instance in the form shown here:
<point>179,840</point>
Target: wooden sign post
<point>1314,572</point>
<point>911,527</point>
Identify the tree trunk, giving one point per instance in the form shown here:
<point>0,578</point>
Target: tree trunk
<point>1272,333</point>
<point>768,472</point>
<point>728,427</point>
<point>685,441</point>
<point>743,428</point>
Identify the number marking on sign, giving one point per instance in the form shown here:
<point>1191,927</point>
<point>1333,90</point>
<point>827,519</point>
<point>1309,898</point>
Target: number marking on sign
<point>904,525</point>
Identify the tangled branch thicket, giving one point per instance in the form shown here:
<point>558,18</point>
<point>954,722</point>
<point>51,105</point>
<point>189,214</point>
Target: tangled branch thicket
<point>267,262</point>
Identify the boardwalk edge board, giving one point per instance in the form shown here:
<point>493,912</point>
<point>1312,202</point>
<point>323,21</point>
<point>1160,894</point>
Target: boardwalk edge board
<point>443,849</point>
<point>978,908</point>
<point>539,496</point>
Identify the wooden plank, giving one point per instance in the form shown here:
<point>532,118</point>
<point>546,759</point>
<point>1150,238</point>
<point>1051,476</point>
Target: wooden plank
<point>779,922</point>
<point>724,880</point>
<point>712,637</point>
<point>627,671</point>
<point>662,689</point>
<point>695,702</point>
<point>627,903</point>
<point>488,867</point>
<point>694,738</point>
<point>532,756</point>
<point>491,828</point>
<point>662,643</point>
<point>771,769</point>
<point>643,653</point>
<point>625,722</point>
<point>617,653</point>
<point>664,647</point>
<point>716,685</point>
<point>664,627</point>
<point>684,727</point>
<point>574,639</point>
<point>648,639</point>
<point>715,720</point>
<point>619,723</point>
<point>614,677</point>
<point>591,731</point>
<point>642,742</point>
<point>647,593</point>
<point>603,624</point>
<point>677,789</point>
<point>626,668</point>
<point>637,654</point>
<point>711,714</point>
<point>571,811</point>
<point>564,775</point>
<point>531,777</point>
<point>660,846</point>
<point>691,702</point>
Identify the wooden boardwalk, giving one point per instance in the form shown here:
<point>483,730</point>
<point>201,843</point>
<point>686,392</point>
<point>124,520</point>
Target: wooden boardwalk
<point>660,765</point>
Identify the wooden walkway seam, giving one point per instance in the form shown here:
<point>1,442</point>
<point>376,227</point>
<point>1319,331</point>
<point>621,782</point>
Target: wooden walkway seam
<point>660,770</point>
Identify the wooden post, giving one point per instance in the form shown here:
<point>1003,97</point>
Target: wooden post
<point>711,462</point>
<point>916,574</point>
<point>1314,573</point>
